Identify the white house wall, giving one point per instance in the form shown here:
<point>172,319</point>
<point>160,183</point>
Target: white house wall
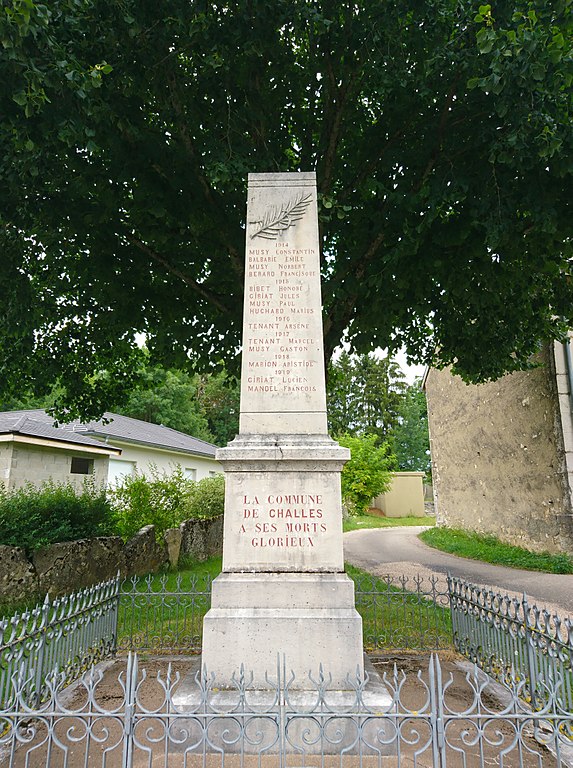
<point>143,459</point>
<point>5,463</point>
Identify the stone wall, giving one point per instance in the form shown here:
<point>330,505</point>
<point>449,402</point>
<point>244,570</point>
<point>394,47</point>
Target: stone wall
<point>498,457</point>
<point>201,539</point>
<point>68,566</point>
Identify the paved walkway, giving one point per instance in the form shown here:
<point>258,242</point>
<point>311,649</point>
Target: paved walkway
<point>396,550</point>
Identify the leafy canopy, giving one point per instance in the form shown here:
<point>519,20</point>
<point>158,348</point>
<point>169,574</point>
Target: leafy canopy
<point>440,132</point>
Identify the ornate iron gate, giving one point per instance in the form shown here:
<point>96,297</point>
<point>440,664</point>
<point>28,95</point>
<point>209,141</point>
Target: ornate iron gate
<point>137,720</point>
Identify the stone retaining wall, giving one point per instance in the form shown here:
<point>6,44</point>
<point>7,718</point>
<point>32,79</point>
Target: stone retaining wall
<point>72,565</point>
<point>499,455</point>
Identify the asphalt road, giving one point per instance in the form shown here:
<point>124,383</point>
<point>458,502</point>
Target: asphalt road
<point>369,549</point>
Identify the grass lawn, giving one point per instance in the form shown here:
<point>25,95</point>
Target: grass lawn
<point>164,612</point>
<point>373,521</point>
<point>489,549</point>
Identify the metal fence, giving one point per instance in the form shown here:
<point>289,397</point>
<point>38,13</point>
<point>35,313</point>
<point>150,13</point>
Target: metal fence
<point>403,614</point>
<point>169,720</point>
<point>69,633</point>
<point>164,614</point>
<point>507,636</point>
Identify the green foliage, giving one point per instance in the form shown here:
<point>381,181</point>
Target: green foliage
<point>491,550</point>
<point>219,396</point>
<point>28,400</point>
<point>367,395</point>
<point>410,437</point>
<point>366,474</point>
<point>34,516</point>
<point>159,501</point>
<point>168,397</point>
<point>364,393</point>
<point>206,498</point>
<point>440,132</point>
<point>164,500</point>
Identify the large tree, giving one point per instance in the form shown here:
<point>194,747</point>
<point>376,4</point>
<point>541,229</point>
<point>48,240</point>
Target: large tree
<point>169,397</point>
<point>364,395</point>
<point>410,437</point>
<point>440,131</point>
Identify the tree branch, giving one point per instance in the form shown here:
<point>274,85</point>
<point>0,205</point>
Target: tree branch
<point>370,165</point>
<point>440,134</point>
<point>345,308</point>
<point>199,288</point>
<point>333,122</point>
<point>187,141</point>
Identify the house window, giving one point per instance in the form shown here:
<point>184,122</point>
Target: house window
<point>190,473</point>
<point>81,466</point>
<point>118,470</point>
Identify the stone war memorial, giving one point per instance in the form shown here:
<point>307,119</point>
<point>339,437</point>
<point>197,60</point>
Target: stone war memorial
<point>283,591</point>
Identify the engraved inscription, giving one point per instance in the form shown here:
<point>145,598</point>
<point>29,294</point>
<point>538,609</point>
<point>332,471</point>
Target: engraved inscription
<point>282,520</point>
<point>281,338</point>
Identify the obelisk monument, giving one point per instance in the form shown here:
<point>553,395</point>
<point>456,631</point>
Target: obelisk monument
<point>283,589</point>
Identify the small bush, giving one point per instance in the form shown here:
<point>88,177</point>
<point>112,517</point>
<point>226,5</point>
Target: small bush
<point>207,497</point>
<point>158,500</point>
<point>366,474</point>
<point>164,500</point>
<point>34,516</point>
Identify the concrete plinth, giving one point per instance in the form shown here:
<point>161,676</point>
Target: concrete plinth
<point>282,503</point>
<point>283,590</point>
<point>307,617</point>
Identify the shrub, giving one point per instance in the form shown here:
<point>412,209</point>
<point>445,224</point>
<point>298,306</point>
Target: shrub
<point>157,500</point>
<point>34,516</point>
<point>163,500</point>
<point>207,497</point>
<point>366,474</point>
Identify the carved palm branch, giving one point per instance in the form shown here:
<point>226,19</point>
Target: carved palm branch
<point>277,220</point>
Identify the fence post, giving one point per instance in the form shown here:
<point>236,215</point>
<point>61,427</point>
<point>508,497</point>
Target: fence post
<point>41,651</point>
<point>115,616</point>
<point>437,712</point>
<point>453,612</point>
<point>531,665</point>
<point>129,724</point>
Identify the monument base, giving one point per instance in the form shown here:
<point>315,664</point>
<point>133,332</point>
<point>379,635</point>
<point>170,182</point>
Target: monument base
<point>278,719</point>
<point>307,618</point>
